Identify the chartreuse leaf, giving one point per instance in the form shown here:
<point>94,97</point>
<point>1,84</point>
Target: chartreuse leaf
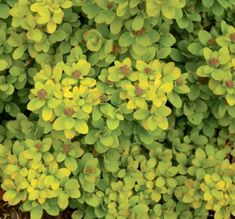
<point>81,127</point>
<point>63,200</point>
<point>3,64</point>
<point>36,212</point>
<point>138,23</point>
<point>71,164</point>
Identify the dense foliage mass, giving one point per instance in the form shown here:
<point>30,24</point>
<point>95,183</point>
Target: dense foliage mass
<point>118,108</point>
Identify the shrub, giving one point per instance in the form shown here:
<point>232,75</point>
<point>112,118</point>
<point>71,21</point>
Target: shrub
<point>118,109</point>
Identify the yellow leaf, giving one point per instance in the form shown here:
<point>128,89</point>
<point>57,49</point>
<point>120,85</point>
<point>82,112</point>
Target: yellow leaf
<point>55,185</point>
<point>51,27</point>
<point>220,185</point>
<point>67,4</point>
<point>207,196</point>
<point>47,114</point>
<point>69,134</point>
<point>166,88</point>
<point>81,127</point>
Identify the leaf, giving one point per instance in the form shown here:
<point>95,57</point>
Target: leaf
<point>9,195</point>
<point>19,52</point>
<point>140,209</point>
<point>176,55</point>
<point>166,88</point>
<point>195,48</point>
<point>152,124</point>
<point>71,164</point>
<point>58,124</point>
<point>66,4</point>
<point>72,188</point>
<point>162,123</point>
<point>112,123</point>
<point>141,114</point>
<point>92,200</point>
<point>204,36</point>
<point>125,39</point>
<point>35,104</point>
<point>163,52</point>
<point>33,195</point>
<point>35,35</point>
<point>63,200</point>
<point>160,182</point>
<point>230,99</point>
<point>137,23</point>
<point>175,100</point>
<point>3,64</point>
<point>4,11</point>
<point>51,27</point>
<point>167,40</point>
<point>52,210</point>
<point>116,25</point>
<point>207,53</point>
<point>195,118</point>
<point>194,92</point>
<point>47,113</point>
<point>36,212</point>
<point>107,140</point>
<point>208,3</point>
<point>69,123</point>
<point>91,137</point>
<point>81,127</point>
<point>232,127</point>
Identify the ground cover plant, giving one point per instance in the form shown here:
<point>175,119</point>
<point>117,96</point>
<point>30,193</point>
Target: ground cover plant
<point>118,109</point>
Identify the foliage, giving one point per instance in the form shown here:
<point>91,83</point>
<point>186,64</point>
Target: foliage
<point>118,109</point>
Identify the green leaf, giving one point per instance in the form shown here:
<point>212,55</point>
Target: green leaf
<point>92,200</point>
<point>175,100</point>
<point>140,209</point>
<point>208,3</point>
<point>72,188</point>
<point>36,212</point>
<point>112,123</point>
<point>176,55</point>
<point>204,36</point>
<point>195,48</point>
<point>4,11</point>
<point>195,118</point>
<point>107,140</point>
<point>232,127</point>
<point>152,124</point>
<point>19,52</point>
<point>116,25</point>
<point>167,40</point>
<point>71,164</point>
<point>91,137</point>
<point>141,114</point>
<point>125,39</point>
<point>3,64</point>
<point>194,92</point>
<point>137,23</point>
<point>35,35</point>
<point>160,182</point>
<point>207,53</point>
<point>163,52</point>
<point>63,200</point>
<point>35,104</point>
